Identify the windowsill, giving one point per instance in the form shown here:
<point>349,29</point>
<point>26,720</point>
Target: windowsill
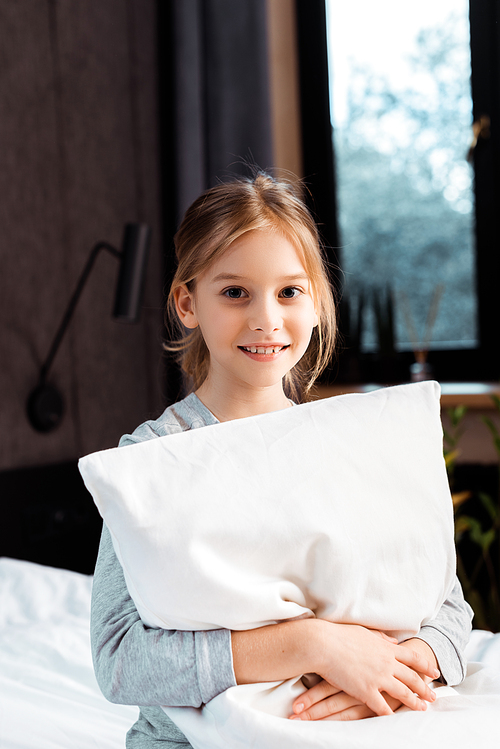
<point>471,394</point>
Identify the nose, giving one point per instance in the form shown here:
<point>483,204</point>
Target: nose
<point>265,315</point>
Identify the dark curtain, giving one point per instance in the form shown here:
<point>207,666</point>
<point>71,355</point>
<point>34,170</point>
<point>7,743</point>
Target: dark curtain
<point>215,116</point>
<point>485,83</point>
<point>317,150</point>
<point>317,141</point>
<point>219,107</point>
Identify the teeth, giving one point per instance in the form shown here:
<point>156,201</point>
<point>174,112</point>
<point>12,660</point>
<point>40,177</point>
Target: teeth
<point>262,350</point>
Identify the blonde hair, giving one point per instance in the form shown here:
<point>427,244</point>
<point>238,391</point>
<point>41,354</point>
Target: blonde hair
<point>212,223</point>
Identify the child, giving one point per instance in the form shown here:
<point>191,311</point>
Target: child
<point>252,293</point>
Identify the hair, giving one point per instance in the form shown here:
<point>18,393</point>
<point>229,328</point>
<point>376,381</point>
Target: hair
<point>211,224</point>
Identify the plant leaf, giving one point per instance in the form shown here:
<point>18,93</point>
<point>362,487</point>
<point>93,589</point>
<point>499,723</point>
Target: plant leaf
<point>496,401</point>
<point>459,498</point>
<point>450,457</point>
<point>456,415</point>
<point>487,539</point>
<point>489,505</point>
<point>461,526</point>
<point>491,426</point>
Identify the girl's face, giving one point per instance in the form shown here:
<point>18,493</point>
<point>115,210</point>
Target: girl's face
<point>255,310</point>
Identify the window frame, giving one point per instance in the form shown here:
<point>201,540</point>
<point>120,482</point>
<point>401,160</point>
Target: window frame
<point>481,363</point>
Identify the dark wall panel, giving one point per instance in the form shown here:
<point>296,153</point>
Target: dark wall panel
<point>79,156</point>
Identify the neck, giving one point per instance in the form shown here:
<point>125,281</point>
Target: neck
<point>227,404</point>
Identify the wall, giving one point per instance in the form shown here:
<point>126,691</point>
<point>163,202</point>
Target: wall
<point>284,87</point>
<point>79,159</point>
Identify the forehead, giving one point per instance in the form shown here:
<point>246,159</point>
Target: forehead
<point>257,252</point>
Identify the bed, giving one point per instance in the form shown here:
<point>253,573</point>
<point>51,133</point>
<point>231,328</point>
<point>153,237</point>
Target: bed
<point>49,698</point>
<point>48,544</point>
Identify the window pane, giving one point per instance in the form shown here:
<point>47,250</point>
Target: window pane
<point>401,115</point>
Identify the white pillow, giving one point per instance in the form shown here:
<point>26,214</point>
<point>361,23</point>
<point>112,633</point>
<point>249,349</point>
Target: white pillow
<point>338,508</point>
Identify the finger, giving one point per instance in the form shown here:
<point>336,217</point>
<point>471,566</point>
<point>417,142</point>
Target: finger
<point>415,682</point>
<point>409,698</point>
<point>417,662</point>
<point>318,692</point>
<point>361,711</point>
<point>393,703</point>
<point>412,692</point>
<point>377,704</point>
<point>358,712</point>
<point>331,705</point>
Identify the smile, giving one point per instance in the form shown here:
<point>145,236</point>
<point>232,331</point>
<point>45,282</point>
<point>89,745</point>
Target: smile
<point>263,350</point>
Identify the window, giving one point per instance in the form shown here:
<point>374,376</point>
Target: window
<point>401,112</point>
<point>438,235</point>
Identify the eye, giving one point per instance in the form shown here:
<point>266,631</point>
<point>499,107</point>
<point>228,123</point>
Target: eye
<point>234,293</point>
<point>290,292</point>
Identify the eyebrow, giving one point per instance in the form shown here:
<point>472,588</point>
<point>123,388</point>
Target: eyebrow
<point>235,277</point>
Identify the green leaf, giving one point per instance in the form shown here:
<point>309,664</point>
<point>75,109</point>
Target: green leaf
<point>489,505</point>
<point>448,438</point>
<point>491,426</point>
<point>475,531</point>
<point>487,539</point>
<point>494,431</point>
<point>496,401</point>
<point>483,540</point>
<point>450,457</point>
<point>457,414</point>
<point>462,525</point>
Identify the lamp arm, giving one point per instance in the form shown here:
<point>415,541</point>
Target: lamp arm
<point>44,370</point>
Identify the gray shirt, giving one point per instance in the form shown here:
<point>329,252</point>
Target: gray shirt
<point>136,665</point>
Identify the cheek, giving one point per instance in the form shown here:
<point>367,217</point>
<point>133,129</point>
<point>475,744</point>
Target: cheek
<point>310,317</point>
<point>219,325</point>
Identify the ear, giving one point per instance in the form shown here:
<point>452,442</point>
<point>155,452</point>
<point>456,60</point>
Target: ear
<point>184,305</point>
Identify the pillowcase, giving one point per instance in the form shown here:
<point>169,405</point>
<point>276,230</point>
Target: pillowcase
<point>339,508</point>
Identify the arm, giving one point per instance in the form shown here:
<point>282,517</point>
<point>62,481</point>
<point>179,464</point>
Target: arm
<point>136,665</point>
<point>441,641</point>
<point>448,634</point>
<point>350,658</point>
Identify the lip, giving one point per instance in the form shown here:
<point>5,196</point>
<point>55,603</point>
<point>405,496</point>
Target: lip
<point>264,344</point>
<point>263,357</point>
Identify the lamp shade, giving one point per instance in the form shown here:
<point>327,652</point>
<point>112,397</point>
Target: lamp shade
<point>135,249</point>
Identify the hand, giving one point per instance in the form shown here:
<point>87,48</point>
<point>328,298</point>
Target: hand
<point>417,645</point>
<point>364,663</point>
<point>325,702</point>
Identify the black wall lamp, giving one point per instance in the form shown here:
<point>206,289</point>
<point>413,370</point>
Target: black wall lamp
<point>45,405</point>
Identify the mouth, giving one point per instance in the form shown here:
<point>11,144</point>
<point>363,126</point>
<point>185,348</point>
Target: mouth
<point>267,350</point>
<point>264,353</point>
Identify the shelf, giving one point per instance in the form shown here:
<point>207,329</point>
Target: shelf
<point>471,394</point>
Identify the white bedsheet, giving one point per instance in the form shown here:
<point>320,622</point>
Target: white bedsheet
<point>463,717</point>
<point>49,698</point>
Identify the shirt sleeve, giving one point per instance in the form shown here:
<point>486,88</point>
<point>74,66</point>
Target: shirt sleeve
<point>448,635</point>
<point>138,665</point>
